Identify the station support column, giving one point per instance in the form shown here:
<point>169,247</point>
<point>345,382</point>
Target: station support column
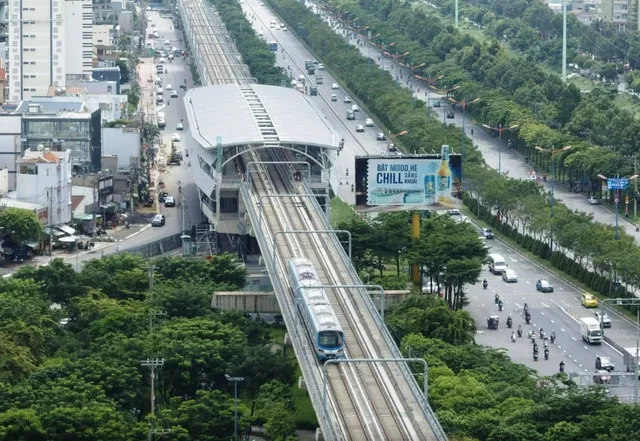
<point>415,234</point>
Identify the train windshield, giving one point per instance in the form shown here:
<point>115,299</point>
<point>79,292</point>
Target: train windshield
<point>330,339</point>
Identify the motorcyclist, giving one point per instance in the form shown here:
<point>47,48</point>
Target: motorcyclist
<point>553,337</point>
<point>526,307</point>
<point>546,353</point>
<point>513,336</point>
<point>529,332</point>
<point>500,305</point>
<point>535,347</point>
<point>347,172</point>
<point>519,330</point>
<point>509,321</point>
<point>497,298</point>
<point>527,318</point>
<point>485,283</point>
<point>562,366</point>
<point>541,333</point>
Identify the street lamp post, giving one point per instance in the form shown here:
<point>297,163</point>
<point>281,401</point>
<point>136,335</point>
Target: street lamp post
<point>553,152</point>
<point>463,103</point>
<point>500,129</point>
<point>370,43</point>
<point>235,381</point>
<point>618,184</point>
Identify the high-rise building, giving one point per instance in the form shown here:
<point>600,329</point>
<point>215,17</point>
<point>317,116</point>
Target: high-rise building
<point>49,41</point>
<point>78,39</point>
<point>36,47</point>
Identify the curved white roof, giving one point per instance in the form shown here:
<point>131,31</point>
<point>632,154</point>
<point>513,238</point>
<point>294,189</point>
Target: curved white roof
<point>225,111</point>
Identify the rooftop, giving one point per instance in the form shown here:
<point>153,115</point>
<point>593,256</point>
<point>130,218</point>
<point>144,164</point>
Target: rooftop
<point>14,203</point>
<point>223,111</point>
<point>31,157</point>
<point>53,104</point>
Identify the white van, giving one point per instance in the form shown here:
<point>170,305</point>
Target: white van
<point>497,263</point>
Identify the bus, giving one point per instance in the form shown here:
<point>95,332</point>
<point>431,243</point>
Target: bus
<point>273,46</point>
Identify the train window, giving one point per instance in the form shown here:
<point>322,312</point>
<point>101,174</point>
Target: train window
<point>330,339</point>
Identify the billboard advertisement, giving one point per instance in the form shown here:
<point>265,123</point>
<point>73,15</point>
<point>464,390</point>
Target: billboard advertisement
<point>425,182</point>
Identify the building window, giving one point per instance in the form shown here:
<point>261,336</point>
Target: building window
<point>47,174</point>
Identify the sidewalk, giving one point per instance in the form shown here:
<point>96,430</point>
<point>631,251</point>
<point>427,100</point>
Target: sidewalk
<point>146,70</point>
<point>495,155</point>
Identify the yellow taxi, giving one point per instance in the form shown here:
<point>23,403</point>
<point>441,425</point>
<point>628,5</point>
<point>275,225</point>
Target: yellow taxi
<point>589,300</point>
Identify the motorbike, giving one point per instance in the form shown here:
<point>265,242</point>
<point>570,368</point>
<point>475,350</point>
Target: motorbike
<point>126,225</point>
<point>542,334</point>
<point>553,337</point>
<point>529,333</point>
<point>500,306</point>
<point>485,284</point>
<point>496,299</point>
<point>535,355</point>
<point>562,366</point>
<point>513,337</point>
<point>527,318</point>
<point>519,331</point>
<point>546,353</point>
<point>509,322</point>
<point>533,337</point>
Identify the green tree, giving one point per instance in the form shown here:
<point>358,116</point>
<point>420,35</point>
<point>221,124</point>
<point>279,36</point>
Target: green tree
<point>58,280</point>
<point>20,226</point>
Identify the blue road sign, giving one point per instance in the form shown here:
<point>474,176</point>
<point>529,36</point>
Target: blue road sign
<point>617,183</point>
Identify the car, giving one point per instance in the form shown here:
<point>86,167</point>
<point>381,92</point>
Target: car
<point>174,94</point>
<point>436,104</point>
<point>509,276</point>
<point>179,126</point>
<point>316,62</point>
<point>282,25</point>
<point>284,28</point>
<point>359,128</point>
<point>380,136</point>
<point>168,87</point>
<point>603,318</point>
<point>487,233</point>
<point>351,115</point>
<point>335,86</point>
<point>272,25</point>
<point>158,220</point>
<point>175,137</point>
<point>169,201</point>
<point>450,115</point>
<point>347,100</point>
<point>159,99</point>
<point>277,28</point>
<point>261,3</point>
<point>320,66</point>
<point>604,364</point>
<point>334,97</point>
<point>543,285</point>
<point>368,122</point>
<point>392,148</point>
<point>355,108</point>
<point>589,300</point>
<point>602,377</point>
<point>592,200</point>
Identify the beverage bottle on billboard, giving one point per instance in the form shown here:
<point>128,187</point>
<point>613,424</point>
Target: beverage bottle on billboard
<point>444,177</point>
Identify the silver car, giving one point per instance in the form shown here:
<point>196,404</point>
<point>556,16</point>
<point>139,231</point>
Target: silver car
<point>603,318</point>
<point>509,276</point>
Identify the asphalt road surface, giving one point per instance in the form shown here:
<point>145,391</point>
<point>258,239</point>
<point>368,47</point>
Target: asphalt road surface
<point>292,55</point>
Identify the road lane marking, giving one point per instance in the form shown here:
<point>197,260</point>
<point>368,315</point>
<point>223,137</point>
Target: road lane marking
<point>553,322</point>
<point>562,329</point>
<point>573,337</point>
<point>586,348</point>
<point>544,304</point>
<point>513,260</point>
<point>528,282</point>
<point>541,312</point>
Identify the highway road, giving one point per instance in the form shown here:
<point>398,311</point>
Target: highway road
<point>293,58</point>
<point>557,311</point>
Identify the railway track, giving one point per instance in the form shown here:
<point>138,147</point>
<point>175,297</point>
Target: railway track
<point>366,398</point>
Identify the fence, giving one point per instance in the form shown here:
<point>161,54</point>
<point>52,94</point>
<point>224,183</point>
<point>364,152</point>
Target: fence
<point>154,248</point>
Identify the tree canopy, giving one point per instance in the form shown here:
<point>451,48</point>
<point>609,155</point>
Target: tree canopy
<point>72,345</point>
<point>20,226</point>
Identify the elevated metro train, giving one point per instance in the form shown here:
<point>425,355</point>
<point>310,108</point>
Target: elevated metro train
<point>315,309</point>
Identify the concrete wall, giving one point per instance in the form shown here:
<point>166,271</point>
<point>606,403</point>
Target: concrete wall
<point>267,303</point>
<point>10,150</point>
<point>123,143</point>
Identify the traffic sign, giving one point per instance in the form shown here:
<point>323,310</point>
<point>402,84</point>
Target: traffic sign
<point>617,183</point>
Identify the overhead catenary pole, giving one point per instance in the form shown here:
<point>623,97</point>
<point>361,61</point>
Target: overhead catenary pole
<point>456,19</point>
<point>50,216</point>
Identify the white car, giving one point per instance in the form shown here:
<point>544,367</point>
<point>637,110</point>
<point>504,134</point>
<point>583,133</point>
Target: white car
<point>509,276</point>
<point>335,86</point>
<point>261,3</point>
<point>603,318</point>
<point>277,28</point>
<point>368,122</point>
<point>179,126</point>
<point>284,28</point>
<point>174,94</point>
<point>168,87</point>
<point>175,137</point>
<point>282,25</point>
<point>272,25</point>
<point>320,66</point>
<point>359,128</point>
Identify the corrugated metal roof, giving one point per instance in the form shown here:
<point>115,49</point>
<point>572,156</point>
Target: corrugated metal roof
<point>53,104</point>
<point>222,111</point>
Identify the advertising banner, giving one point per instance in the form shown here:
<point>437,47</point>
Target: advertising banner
<point>429,182</point>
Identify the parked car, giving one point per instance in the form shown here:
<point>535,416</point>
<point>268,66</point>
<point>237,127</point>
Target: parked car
<point>509,276</point>
<point>450,115</point>
<point>158,220</point>
<point>592,200</point>
<point>544,285</point>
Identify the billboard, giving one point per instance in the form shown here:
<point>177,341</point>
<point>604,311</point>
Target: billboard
<point>425,182</point>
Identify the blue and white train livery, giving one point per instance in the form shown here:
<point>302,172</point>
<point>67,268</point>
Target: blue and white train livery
<point>316,310</point>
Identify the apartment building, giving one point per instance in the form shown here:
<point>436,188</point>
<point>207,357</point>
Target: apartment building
<point>622,13</point>
<point>48,42</point>
<point>36,47</point>
<point>78,31</point>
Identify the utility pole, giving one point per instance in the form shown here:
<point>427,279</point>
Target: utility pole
<point>564,40</point>
<point>635,191</point>
<point>456,19</point>
<point>183,212</point>
<point>150,270</point>
<point>96,204</point>
<point>50,216</point>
